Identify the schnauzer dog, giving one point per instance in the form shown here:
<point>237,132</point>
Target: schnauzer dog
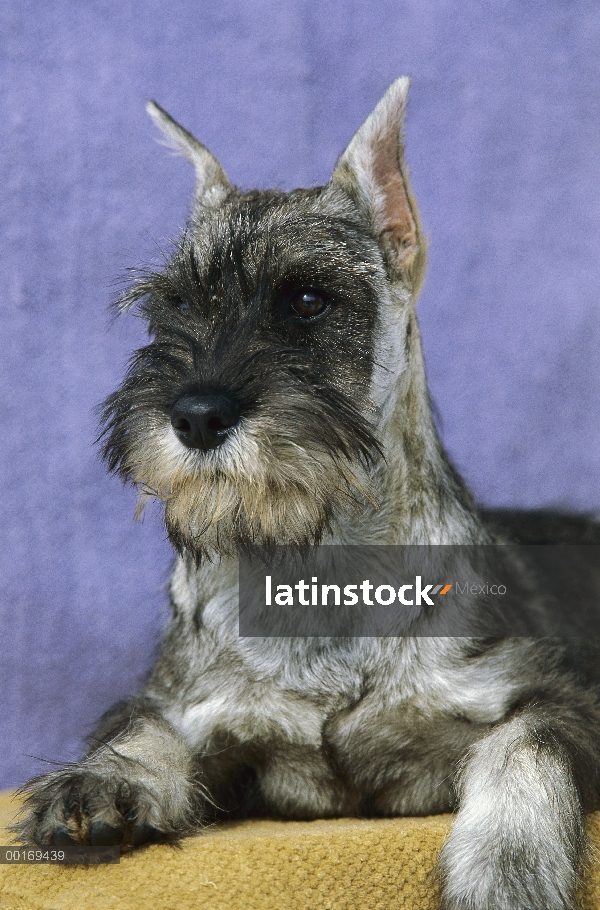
<point>282,401</point>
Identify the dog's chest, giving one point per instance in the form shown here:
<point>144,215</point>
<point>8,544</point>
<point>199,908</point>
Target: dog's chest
<point>366,725</point>
<point>371,728</point>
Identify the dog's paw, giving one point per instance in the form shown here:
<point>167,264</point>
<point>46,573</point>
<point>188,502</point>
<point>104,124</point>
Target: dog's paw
<point>81,805</point>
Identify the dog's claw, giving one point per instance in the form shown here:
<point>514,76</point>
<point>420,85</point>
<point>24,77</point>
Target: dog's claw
<point>62,838</point>
<point>103,835</point>
<point>146,834</point>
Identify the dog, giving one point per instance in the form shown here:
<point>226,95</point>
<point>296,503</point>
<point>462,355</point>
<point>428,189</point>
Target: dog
<point>282,400</point>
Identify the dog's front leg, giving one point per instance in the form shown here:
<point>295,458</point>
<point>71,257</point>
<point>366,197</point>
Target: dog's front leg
<point>518,838</point>
<point>137,784</point>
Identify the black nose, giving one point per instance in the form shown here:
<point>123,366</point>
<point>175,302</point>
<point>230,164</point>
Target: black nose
<point>203,420</point>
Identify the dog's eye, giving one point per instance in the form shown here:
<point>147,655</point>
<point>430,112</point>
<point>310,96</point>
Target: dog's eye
<point>307,303</point>
<point>179,304</point>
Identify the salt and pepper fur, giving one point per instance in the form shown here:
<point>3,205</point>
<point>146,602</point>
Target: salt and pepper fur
<point>335,444</point>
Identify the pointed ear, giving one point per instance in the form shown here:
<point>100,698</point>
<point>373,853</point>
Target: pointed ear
<point>372,171</point>
<point>212,184</point>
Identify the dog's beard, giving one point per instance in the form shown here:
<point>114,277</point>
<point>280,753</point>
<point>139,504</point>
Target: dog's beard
<point>267,484</point>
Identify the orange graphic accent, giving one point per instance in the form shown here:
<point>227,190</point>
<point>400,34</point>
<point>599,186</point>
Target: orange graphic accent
<point>445,589</point>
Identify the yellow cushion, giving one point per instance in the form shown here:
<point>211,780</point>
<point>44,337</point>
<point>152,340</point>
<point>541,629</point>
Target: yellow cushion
<point>344,864</point>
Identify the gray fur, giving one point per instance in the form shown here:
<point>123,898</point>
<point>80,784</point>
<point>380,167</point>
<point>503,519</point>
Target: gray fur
<point>307,728</point>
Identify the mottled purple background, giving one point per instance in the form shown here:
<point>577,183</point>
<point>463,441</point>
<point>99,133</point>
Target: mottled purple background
<point>503,139</point>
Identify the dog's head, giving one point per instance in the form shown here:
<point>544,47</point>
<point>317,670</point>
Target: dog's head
<point>278,336</point>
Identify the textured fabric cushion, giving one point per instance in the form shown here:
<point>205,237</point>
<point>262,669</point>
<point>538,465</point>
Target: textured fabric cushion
<point>259,865</point>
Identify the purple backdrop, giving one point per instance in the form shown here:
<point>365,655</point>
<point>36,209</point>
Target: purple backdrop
<point>503,140</point>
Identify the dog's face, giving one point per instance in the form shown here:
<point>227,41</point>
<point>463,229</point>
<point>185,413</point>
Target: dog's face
<point>254,411</point>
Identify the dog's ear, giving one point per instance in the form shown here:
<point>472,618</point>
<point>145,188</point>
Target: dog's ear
<point>372,171</point>
<point>212,184</point>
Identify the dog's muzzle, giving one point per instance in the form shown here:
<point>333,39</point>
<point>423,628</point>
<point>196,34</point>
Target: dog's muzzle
<point>204,420</point>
